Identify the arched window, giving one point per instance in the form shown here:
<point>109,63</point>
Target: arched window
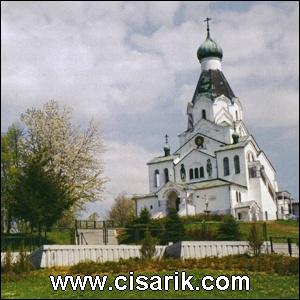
<point>196,173</point>
<point>236,115</point>
<point>166,171</point>
<point>156,178</point>
<point>240,197</point>
<point>237,196</point>
<point>236,160</point>
<point>191,174</point>
<point>226,166</point>
<point>201,172</point>
<point>203,114</point>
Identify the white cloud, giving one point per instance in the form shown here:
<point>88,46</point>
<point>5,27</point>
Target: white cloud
<point>121,60</point>
<point>125,166</point>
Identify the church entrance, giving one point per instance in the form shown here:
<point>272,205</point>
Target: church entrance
<point>173,201</point>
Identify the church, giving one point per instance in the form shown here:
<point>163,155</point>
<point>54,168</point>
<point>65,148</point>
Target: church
<point>218,168</point>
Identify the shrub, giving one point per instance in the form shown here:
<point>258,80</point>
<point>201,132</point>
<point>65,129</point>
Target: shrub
<point>255,240</point>
<point>7,265</point>
<point>22,264</point>
<point>174,228</point>
<point>228,229</point>
<point>148,246</point>
<point>204,233</point>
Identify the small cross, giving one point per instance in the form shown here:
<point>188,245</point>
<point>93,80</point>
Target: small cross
<point>207,22</point>
<point>166,136</point>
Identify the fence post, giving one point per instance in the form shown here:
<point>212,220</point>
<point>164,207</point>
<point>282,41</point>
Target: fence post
<point>289,246</point>
<point>265,234</point>
<point>271,243</point>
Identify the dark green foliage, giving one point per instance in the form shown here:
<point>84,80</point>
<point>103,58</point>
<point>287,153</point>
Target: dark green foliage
<point>148,246</point>
<point>204,233</point>
<point>228,229</point>
<point>174,229</point>
<point>40,195</point>
<point>255,240</point>
<point>144,217</point>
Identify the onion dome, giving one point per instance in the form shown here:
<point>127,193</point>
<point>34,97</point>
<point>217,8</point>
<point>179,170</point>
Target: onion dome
<point>209,48</point>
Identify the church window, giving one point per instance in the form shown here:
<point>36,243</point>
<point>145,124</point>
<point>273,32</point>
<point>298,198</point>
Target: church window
<point>236,164</point>
<point>151,207</point>
<point>282,210</point>
<point>156,178</point>
<point>240,197</point>
<point>191,174</point>
<point>196,173</point>
<point>237,196</point>
<point>236,115</point>
<point>203,114</point>
<point>226,166</point>
<point>266,215</point>
<point>201,172</point>
<point>166,171</point>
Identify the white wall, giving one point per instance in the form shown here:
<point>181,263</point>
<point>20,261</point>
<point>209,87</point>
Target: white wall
<point>194,160</point>
<point>218,199</point>
<point>160,167</point>
<point>236,178</point>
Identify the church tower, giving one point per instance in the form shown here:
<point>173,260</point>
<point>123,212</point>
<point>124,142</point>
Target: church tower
<point>213,100</point>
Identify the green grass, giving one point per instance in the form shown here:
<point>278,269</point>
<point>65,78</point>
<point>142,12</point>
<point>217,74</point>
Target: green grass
<point>280,229</point>
<point>36,285</point>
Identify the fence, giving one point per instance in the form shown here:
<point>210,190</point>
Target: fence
<point>30,242</point>
<point>290,246</point>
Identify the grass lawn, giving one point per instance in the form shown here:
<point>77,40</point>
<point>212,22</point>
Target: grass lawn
<point>280,228</point>
<point>36,284</point>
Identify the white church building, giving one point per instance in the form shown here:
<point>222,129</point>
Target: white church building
<point>218,168</point>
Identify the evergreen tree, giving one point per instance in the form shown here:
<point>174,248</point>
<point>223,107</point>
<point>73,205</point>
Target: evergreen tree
<point>174,228</point>
<point>228,229</point>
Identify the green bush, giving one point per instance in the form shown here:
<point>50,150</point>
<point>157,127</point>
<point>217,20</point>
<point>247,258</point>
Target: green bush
<point>204,233</point>
<point>148,246</point>
<point>229,229</point>
<point>7,265</point>
<point>255,240</point>
<point>174,228</point>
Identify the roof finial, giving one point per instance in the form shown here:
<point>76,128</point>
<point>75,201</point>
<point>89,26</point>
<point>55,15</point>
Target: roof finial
<point>207,23</point>
<point>167,147</point>
<point>166,136</point>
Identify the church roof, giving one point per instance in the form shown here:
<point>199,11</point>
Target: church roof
<point>160,159</point>
<point>212,83</point>
<point>242,143</point>
<point>213,183</point>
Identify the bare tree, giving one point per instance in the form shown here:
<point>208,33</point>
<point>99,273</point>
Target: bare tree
<point>122,211</point>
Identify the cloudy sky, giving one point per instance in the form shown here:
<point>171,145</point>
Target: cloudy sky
<point>133,67</point>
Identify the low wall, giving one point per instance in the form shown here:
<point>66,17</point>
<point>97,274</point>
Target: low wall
<point>185,250</point>
<point>49,256</point>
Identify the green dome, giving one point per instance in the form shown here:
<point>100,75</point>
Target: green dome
<point>209,49</point>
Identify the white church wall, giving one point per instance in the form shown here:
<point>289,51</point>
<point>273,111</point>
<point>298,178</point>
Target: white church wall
<point>239,178</point>
<point>195,159</point>
<point>201,104</point>
<point>268,169</point>
<point>151,203</point>
<point>218,200</point>
<point>160,167</point>
<point>209,145</point>
<point>267,203</point>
